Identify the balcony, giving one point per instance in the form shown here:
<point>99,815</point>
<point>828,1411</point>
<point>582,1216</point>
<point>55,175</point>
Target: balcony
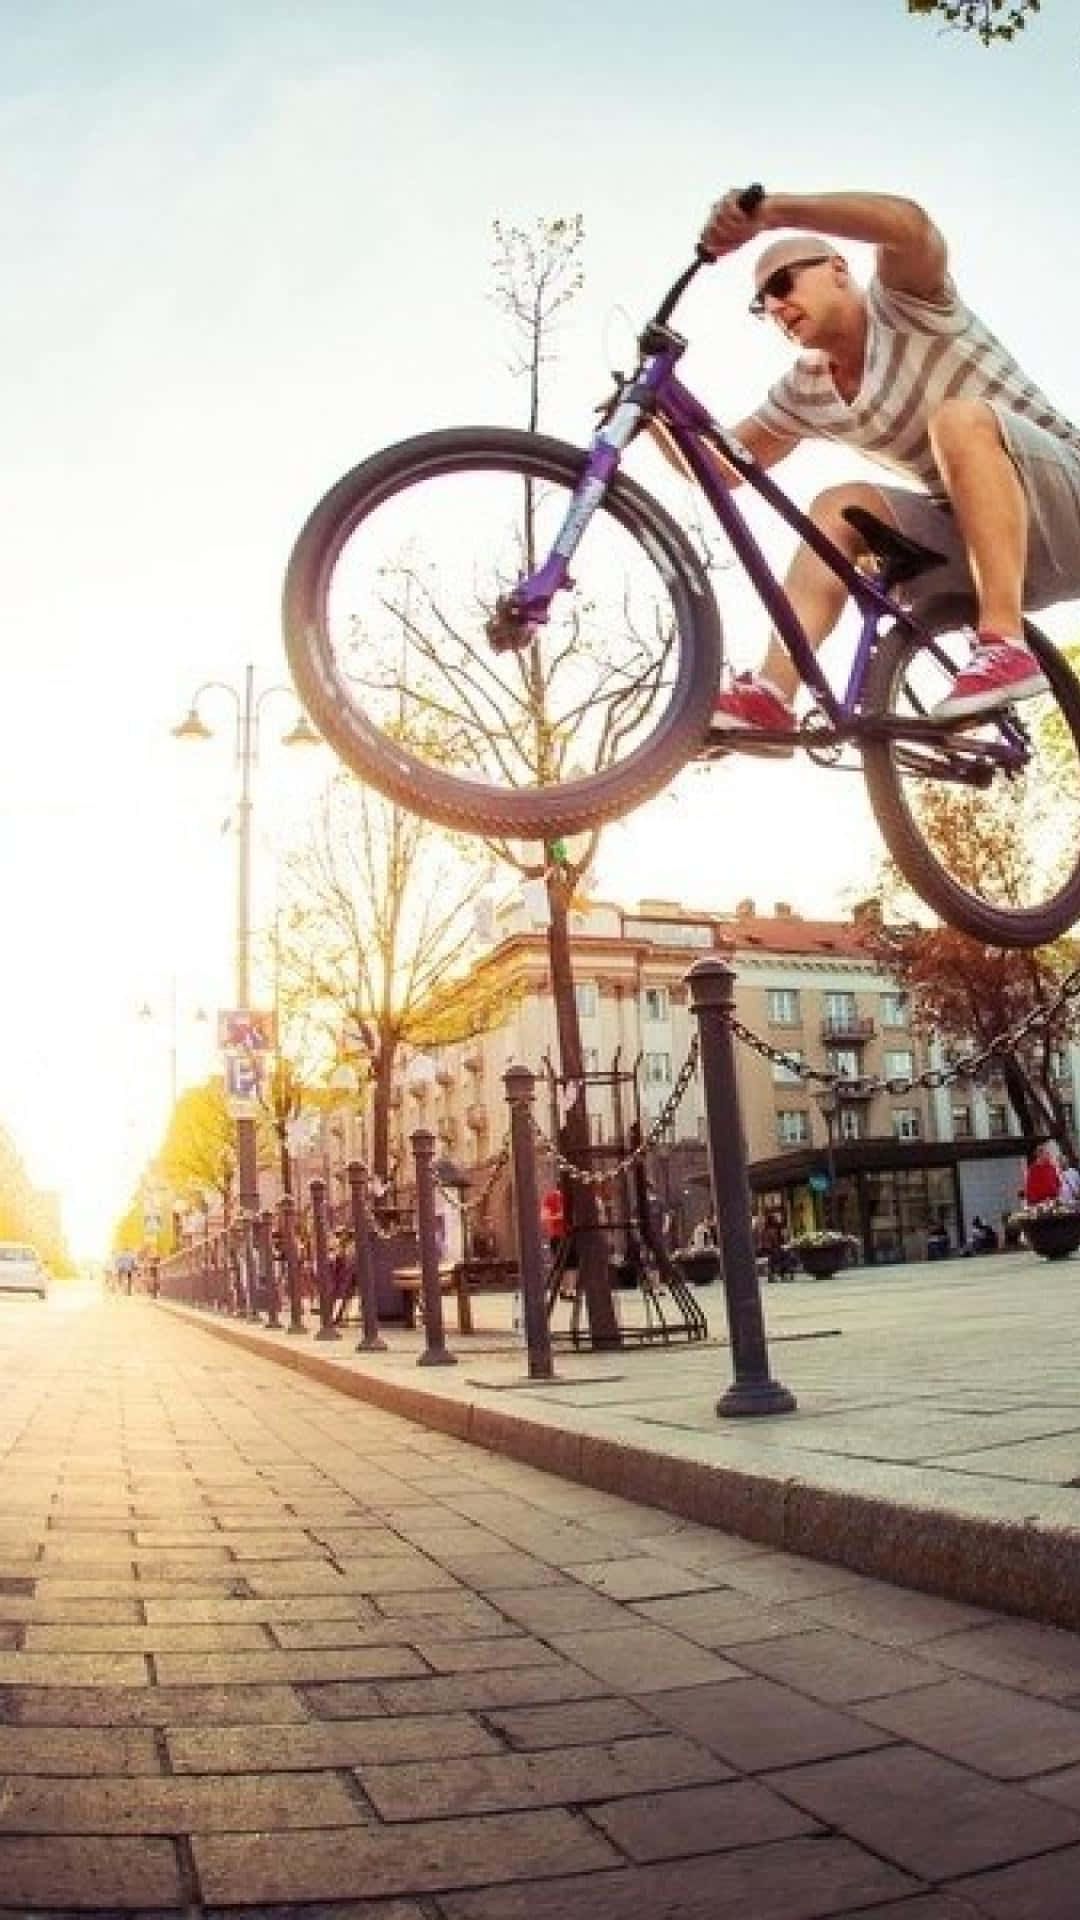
<point>847,1029</point>
<point>476,1117</point>
<point>445,1076</point>
<point>473,1061</point>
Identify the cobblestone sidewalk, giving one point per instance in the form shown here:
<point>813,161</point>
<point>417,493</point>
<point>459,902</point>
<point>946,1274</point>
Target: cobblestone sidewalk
<point>261,1645</point>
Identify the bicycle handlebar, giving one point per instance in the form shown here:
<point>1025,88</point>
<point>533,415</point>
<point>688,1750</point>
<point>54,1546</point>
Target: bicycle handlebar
<point>748,199</point>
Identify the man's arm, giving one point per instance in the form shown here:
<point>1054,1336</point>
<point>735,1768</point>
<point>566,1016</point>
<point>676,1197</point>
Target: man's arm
<point>767,448</point>
<point>911,252</point>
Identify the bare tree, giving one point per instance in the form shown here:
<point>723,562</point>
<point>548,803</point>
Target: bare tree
<point>379,917</point>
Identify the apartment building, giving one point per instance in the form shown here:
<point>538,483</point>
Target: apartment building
<point>885,1165</point>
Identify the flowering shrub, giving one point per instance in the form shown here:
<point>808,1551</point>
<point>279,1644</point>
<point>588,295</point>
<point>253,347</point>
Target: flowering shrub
<point>825,1237</point>
<point>1055,1209</point>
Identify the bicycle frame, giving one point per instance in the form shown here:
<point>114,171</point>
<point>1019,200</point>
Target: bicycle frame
<point>653,395</point>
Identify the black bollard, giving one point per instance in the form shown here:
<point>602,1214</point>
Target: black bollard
<point>264,1235</point>
<point>287,1207</point>
<point>321,1254</point>
<point>247,1255</point>
<point>372,1342</point>
<point>435,1353</point>
<point>712,1000</point>
<point>520,1087</point>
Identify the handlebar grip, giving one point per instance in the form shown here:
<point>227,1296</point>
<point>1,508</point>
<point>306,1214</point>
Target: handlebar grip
<point>748,201</point>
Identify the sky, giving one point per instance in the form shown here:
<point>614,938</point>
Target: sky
<point>245,245</point>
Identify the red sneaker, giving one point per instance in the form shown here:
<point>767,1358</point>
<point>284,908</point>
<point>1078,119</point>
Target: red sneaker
<point>751,706</point>
<point>999,672</point>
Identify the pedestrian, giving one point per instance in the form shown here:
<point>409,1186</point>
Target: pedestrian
<point>904,372</point>
<point>1069,1191</point>
<point>1042,1182</point>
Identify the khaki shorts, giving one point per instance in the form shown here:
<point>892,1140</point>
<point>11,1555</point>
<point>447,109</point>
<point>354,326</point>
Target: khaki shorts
<point>1049,471</point>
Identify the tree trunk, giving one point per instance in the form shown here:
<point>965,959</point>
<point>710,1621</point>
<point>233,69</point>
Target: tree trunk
<point>380,1110</point>
<point>590,1239</point>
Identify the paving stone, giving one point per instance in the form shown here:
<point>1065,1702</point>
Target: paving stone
<point>32,1606</point>
<point>484,1656</point>
<point>384,1575</point>
<point>332,1743</point>
<point>424,1856</point>
<point>328,1910</point>
<point>565,1609</point>
<point>205,1803</point>
<point>1017,1653</point>
<point>1064,1787</point>
<point>77,1751</point>
<point>928,1815</point>
<point>800,1879</point>
<point>96,1637</point>
<point>300,1608</point>
<point>147,1706</point>
<point>990,1728</point>
<point>454,1693</point>
<point>722,1618</point>
<point>294,1668</point>
<point>115,1874</point>
<point>756,1724</point>
<point>643,1659</point>
<point>1042,1889</point>
<point>640,1578</point>
<point>837,1667</point>
<point>568,1776</point>
<point>895,1616</point>
<point>663,1825</point>
<point>570,1723</point>
<point>72,1670</point>
<point>489,1572</point>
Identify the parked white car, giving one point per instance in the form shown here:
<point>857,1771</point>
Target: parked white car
<point>21,1271</point>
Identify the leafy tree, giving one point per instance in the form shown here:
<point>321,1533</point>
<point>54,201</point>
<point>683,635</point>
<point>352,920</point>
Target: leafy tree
<point>988,20</point>
<point>22,1215</point>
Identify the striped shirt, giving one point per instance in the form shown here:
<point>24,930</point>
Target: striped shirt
<point>918,354</point>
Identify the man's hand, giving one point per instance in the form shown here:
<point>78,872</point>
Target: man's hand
<point>728,227</point>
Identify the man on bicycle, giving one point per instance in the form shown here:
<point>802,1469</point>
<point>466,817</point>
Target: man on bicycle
<point>906,373</point>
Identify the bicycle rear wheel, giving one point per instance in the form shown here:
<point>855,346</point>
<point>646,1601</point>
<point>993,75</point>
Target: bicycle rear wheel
<point>996,855</point>
<point>387,594</point>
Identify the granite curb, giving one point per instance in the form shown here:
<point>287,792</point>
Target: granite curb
<point>1028,1567</point>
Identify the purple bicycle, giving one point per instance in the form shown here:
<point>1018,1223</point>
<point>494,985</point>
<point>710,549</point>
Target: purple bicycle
<point>504,633</point>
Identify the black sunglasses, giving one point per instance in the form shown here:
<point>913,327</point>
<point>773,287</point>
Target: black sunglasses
<point>779,284</point>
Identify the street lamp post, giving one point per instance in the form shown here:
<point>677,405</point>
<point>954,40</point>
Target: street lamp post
<point>192,727</point>
<point>829,1101</point>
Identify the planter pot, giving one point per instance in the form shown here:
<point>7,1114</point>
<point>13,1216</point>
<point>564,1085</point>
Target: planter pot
<point>700,1265</point>
<point>821,1262</point>
<point>1054,1236</point>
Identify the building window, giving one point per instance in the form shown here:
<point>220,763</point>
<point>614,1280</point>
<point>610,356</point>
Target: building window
<point>997,1120</point>
<point>702,1130</point>
<point>783,1007</point>
<point>906,1123</point>
<point>844,1060</point>
<point>590,1059</point>
<point>792,1127</point>
<point>586,996</point>
<point>850,1123</point>
<point>895,1010</point>
<point>787,1076</point>
<point>655,1004</point>
<point>596,1129</point>
<point>961,1123</point>
<point>658,1069</point>
<point>840,1011</point>
<point>899,1065</point>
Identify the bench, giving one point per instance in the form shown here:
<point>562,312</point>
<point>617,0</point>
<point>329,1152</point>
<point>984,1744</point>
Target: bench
<point>462,1278</point>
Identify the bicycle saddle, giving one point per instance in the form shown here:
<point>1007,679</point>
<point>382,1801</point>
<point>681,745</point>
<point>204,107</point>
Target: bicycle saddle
<point>902,559</point>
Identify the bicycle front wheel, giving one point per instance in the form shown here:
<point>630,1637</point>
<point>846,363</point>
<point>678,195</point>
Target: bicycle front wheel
<point>387,595</point>
<point>993,848</point>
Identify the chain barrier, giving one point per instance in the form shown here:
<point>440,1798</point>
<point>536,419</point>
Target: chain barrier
<point>659,1126</point>
<point>932,1078</point>
<point>479,1200</point>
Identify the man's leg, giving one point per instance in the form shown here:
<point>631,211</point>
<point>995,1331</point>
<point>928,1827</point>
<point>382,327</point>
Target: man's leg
<point>816,593</point>
<point>986,496</point>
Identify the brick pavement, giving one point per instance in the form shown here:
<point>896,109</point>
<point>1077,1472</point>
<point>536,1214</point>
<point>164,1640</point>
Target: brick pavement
<point>262,1645</point>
